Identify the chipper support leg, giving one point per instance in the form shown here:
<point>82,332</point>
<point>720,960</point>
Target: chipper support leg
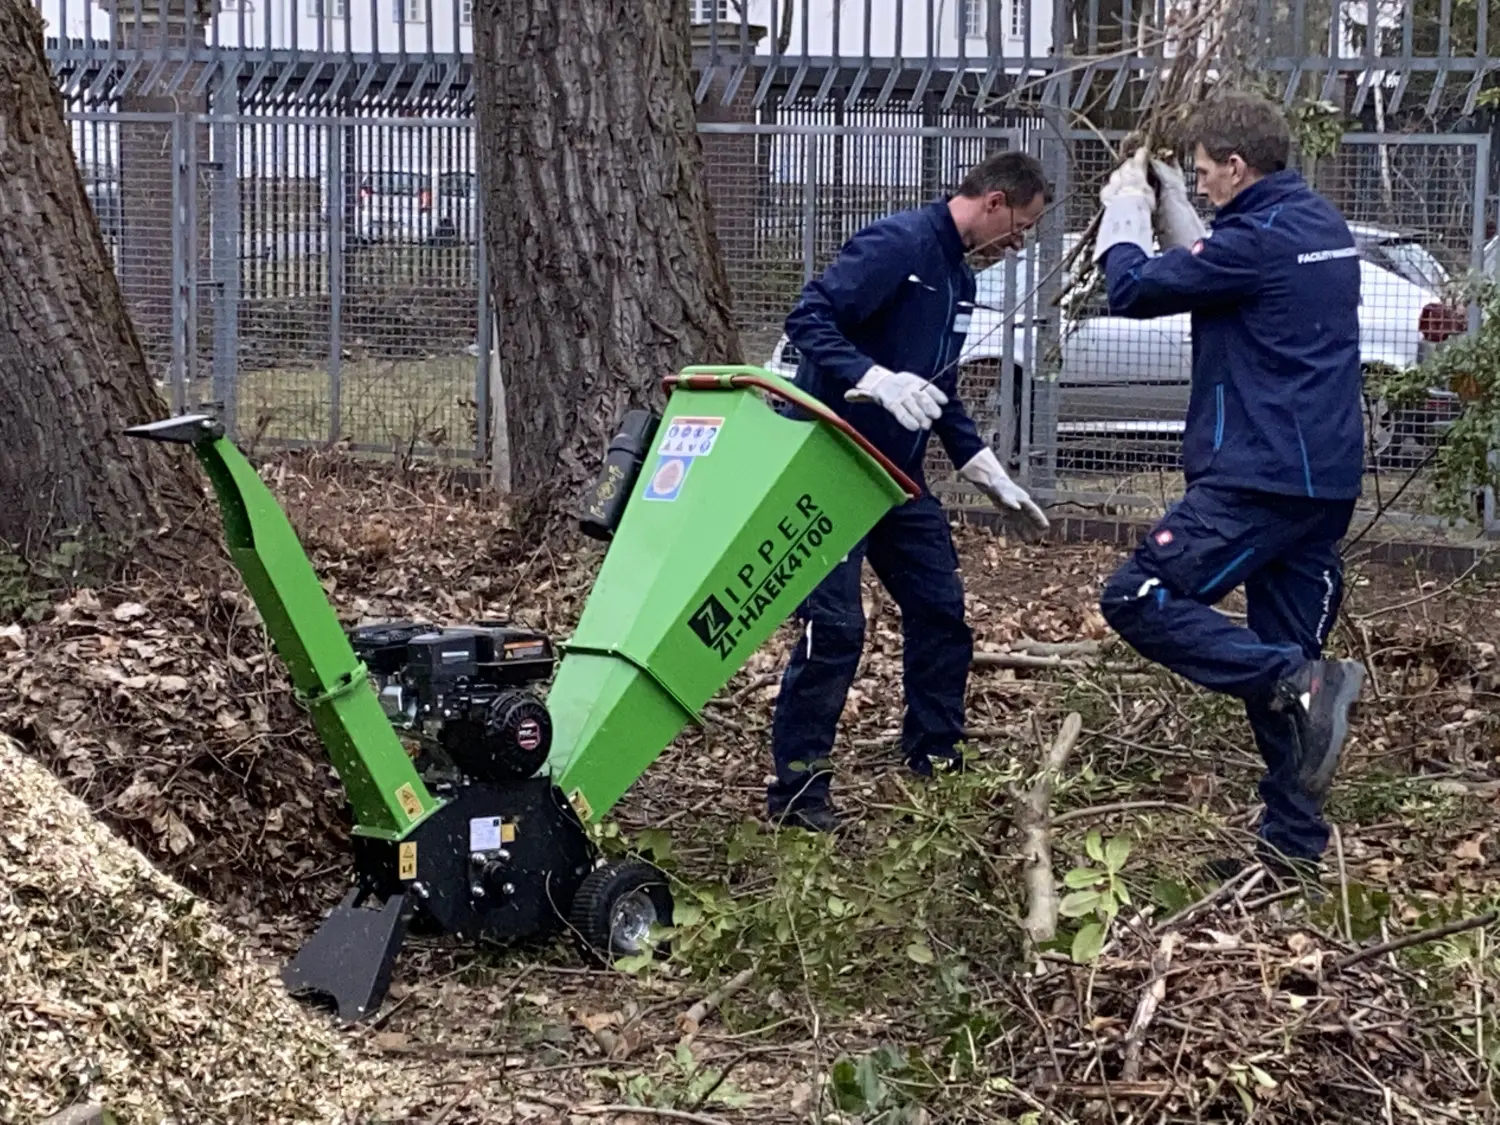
<point>350,958</point>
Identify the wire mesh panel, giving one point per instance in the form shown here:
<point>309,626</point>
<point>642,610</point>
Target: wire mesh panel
<point>359,282</point>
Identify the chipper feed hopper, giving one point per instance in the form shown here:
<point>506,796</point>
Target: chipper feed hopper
<point>721,514</point>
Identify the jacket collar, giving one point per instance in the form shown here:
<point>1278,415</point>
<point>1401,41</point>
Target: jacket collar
<point>947,232</point>
<point>1264,192</point>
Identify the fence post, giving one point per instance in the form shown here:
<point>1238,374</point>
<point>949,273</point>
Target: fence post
<point>487,340</point>
<point>335,224</point>
<point>225,207</point>
<point>809,205</point>
<point>1044,325</point>
<point>179,235</point>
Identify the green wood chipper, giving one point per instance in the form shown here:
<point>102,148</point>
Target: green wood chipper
<point>470,795</point>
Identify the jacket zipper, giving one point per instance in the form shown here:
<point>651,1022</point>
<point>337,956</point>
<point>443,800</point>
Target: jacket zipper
<point>1218,416</point>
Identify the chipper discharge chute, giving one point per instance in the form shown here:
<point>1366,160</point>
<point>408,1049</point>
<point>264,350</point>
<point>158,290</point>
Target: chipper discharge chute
<point>722,514</point>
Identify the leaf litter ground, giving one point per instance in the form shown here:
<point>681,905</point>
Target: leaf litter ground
<point>880,975</point>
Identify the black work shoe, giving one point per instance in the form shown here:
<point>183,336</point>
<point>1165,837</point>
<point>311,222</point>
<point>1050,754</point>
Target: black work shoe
<point>937,764</point>
<point>809,818</point>
<point>1282,872</point>
<point>1319,697</point>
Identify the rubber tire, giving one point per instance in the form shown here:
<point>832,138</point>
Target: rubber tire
<point>597,896</point>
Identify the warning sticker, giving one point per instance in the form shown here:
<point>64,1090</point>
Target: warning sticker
<point>689,437</point>
<point>726,616</point>
<point>667,477</point>
<point>484,833</point>
<point>406,797</point>
<point>406,860</point>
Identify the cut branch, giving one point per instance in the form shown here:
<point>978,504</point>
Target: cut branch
<point>1034,819</point>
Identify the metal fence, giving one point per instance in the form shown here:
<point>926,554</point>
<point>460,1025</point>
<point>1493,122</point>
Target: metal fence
<point>297,231</point>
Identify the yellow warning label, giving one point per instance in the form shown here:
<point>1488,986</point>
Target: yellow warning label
<point>406,796</point>
<point>580,805</point>
<point>507,833</point>
<point>406,860</point>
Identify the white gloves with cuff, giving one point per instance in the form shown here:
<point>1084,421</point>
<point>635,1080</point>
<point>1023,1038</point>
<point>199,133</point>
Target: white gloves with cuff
<point>1128,203</point>
<point>911,399</point>
<point>1177,221</point>
<point>986,473</point>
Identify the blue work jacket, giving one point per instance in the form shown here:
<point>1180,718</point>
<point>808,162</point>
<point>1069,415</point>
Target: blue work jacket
<point>900,294</point>
<point>1274,296</point>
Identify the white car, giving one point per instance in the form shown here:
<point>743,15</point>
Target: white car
<point>1124,378</point>
<point>404,206</point>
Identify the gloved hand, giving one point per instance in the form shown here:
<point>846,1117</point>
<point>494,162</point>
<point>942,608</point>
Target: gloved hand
<point>1128,202</point>
<point>914,401</point>
<point>1177,223</point>
<point>985,471</point>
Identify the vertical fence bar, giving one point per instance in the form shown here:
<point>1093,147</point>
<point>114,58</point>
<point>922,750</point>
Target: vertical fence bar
<point>335,224</point>
<point>486,340</point>
<point>179,270</point>
<point>809,206</point>
<point>225,268</point>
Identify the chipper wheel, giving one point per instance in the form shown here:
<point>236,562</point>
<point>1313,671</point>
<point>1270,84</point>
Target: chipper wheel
<point>615,907</point>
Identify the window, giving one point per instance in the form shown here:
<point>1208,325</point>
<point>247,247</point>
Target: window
<point>1018,19</point>
<point>971,18</point>
<point>409,11</point>
<point>465,12</point>
<point>710,11</point>
<point>333,9</point>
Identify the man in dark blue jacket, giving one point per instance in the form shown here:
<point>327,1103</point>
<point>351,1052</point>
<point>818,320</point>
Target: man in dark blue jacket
<point>1272,449</point>
<point>880,332</point>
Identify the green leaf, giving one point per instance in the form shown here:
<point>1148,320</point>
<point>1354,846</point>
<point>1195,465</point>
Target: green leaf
<point>1122,893</point>
<point>920,952</point>
<point>634,963</point>
<point>1117,851</point>
<point>1262,1079</point>
<point>1081,877</point>
<point>655,842</point>
<point>1077,904</point>
<point>837,907</point>
<point>1087,943</point>
<point>686,914</point>
<point>1093,843</point>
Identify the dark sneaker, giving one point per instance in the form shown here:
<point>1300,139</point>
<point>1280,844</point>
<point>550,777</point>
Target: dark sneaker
<point>937,764</point>
<point>1282,872</point>
<point>809,818</point>
<point>1319,697</point>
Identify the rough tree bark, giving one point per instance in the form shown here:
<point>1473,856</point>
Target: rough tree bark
<point>604,262</point>
<point>72,374</point>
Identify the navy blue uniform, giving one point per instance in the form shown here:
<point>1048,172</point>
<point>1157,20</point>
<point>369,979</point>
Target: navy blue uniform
<point>1273,456</point>
<point>900,295</point>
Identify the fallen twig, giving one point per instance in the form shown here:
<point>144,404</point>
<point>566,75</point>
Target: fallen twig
<point>648,1111</point>
<point>1223,891</point>
<point>689,1022</point>
<point>1151,999</point>
<point>1033,818</point>
<point>1433,933</point>
<point>1118,807</point>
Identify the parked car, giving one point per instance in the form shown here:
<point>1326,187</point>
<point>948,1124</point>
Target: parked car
<point>1123,379</point>
<point>404,206</point>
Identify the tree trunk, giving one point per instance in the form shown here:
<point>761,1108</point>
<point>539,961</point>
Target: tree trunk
<point>72,374</point>
<point>604,262</point>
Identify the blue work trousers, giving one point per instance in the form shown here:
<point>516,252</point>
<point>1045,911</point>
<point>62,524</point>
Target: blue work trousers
<point>911,552</point>
<point>1284,550</point>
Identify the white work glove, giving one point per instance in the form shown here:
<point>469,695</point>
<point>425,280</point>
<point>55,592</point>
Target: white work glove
<point>911,399</point>
<point>985,471</point>
<point>1128,202</point>
<point>1177,221</point>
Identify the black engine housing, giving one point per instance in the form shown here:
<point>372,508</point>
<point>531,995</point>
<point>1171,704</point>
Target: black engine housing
<point>465,689</point>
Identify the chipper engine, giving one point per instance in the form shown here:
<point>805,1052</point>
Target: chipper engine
<point>721,514</point>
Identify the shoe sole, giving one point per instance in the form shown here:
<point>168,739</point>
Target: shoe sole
<point>1320,781</point>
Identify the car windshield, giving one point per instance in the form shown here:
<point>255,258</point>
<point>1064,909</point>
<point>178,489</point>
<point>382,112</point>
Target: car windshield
<point>1407,259</point>
<point>394,183</point>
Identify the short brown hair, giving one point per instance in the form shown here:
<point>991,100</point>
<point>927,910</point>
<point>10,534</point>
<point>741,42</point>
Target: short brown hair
<point>1018,174</point>
<point>1243,125</point>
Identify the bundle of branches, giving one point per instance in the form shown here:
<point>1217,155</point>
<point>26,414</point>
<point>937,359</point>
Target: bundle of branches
<point>1243,1014</point>
<point>1204,39</point>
